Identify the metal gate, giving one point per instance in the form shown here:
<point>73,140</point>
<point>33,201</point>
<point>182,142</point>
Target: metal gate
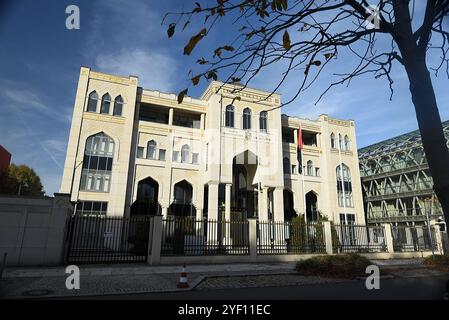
<point>101,239</point>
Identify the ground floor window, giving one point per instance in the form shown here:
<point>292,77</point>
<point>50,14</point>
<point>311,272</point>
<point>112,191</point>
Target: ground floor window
<point>89,208</point>
<point>347,218</point>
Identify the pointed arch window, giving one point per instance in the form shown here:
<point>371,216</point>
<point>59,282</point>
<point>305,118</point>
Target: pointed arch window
<point>347,143</point>
<point>97,163</point>
<point>229,116</point>
<point>92,102</point>
<point>333,142</point>
<point>263,120</point>
<point>247,119</point>
<point>151,149</point>
<point>185,153</point>
<point>344,186</point>
<point>340,142</point>
<point>105,104</point>
<point>310,168</point>
<point>118,106</point>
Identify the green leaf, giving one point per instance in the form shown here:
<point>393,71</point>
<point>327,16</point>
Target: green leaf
<point>286,43</point>
<point>181,95</point>
<point>194,41</point>
<point>171,29</point>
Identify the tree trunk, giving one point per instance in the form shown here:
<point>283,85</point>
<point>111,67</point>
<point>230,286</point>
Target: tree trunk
<point>429,122</point>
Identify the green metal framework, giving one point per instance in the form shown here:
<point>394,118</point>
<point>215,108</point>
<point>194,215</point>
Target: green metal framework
<point>396,182</point>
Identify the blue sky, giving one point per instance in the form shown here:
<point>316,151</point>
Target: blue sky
<point>40,61</point>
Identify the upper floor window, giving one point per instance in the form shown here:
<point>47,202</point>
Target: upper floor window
<point>333,142</point>
<point>263,120</point>
<point>344,186</point>
<point>229,116</point>
<point>346,143</point>
<point>287,168</point>
<point>340,142</point>
<point>247,118</point>
<point>97,163</point>
<point>151,149</point>
<point>118,106</point>
<point>310,168</point>
<point>92,102</point>
<point>185,153</point>
<point>105,104</point>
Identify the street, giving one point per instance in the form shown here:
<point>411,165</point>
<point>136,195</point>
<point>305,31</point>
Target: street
<point>420,288</point>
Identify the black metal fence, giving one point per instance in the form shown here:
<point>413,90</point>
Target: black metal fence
<point>101,239</point>
<point>192,237</point>
<point>290,238</point>
<point>413,238</point>
<point>358,238</point>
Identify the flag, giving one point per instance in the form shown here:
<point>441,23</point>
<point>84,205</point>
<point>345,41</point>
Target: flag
<point>298,150</point>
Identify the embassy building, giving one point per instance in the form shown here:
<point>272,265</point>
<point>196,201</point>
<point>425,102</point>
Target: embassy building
<point>229,155</point>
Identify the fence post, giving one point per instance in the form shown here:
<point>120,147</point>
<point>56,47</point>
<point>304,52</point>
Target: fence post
<point>155,255</point>
<point>252,238</point>
<point>438,240</point>
<point>328,236</point>
<point>388,237</point>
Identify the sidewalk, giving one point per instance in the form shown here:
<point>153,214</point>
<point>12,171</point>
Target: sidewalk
<point>20,283</point>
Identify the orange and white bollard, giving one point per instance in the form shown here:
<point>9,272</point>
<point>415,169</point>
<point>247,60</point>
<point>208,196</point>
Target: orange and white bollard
<point>183,279</point>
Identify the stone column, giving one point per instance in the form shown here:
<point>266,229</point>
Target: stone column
<point>263,204</point>
<point>227,234</point>
<point>252,238</point>
<point>328,236</point>
<point>154,255</point>
<point>388,237</point>
<point>212,214</point>
<point>278,195</point>
<point>170,116</point>
<point>212,209</point>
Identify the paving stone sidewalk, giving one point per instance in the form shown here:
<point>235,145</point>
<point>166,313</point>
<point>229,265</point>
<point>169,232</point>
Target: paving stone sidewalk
<point>119,279</point>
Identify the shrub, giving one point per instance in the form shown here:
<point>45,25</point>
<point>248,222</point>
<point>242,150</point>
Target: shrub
<point>344,266</point>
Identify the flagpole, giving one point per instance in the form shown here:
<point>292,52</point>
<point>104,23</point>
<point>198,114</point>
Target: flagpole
<point>341,175</point>
<point>300,169</point>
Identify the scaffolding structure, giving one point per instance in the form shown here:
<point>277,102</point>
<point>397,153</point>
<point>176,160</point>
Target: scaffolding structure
<point>396,182</point>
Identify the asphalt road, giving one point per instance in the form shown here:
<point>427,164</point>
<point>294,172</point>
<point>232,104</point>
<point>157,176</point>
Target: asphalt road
<point>422,288</point>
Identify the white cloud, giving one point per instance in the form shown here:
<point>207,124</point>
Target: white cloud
<point>155,70</point>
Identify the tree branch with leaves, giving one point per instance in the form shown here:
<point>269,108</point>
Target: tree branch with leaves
<point>308,36</point>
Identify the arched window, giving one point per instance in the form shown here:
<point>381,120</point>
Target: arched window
<point>185,153</point>
<point>97,163</point>
<point>229,117</point>
<point>92,102</point>
<point>247,119</point>
<point>287,168</point>
<point>118,106</point>
<point>310,168</point>
<point>347,144</point>
<point>151,149</point>
<point>344,186</point>
<point>333,142</point>
<point>263,120</point>
<point>105,104</point>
